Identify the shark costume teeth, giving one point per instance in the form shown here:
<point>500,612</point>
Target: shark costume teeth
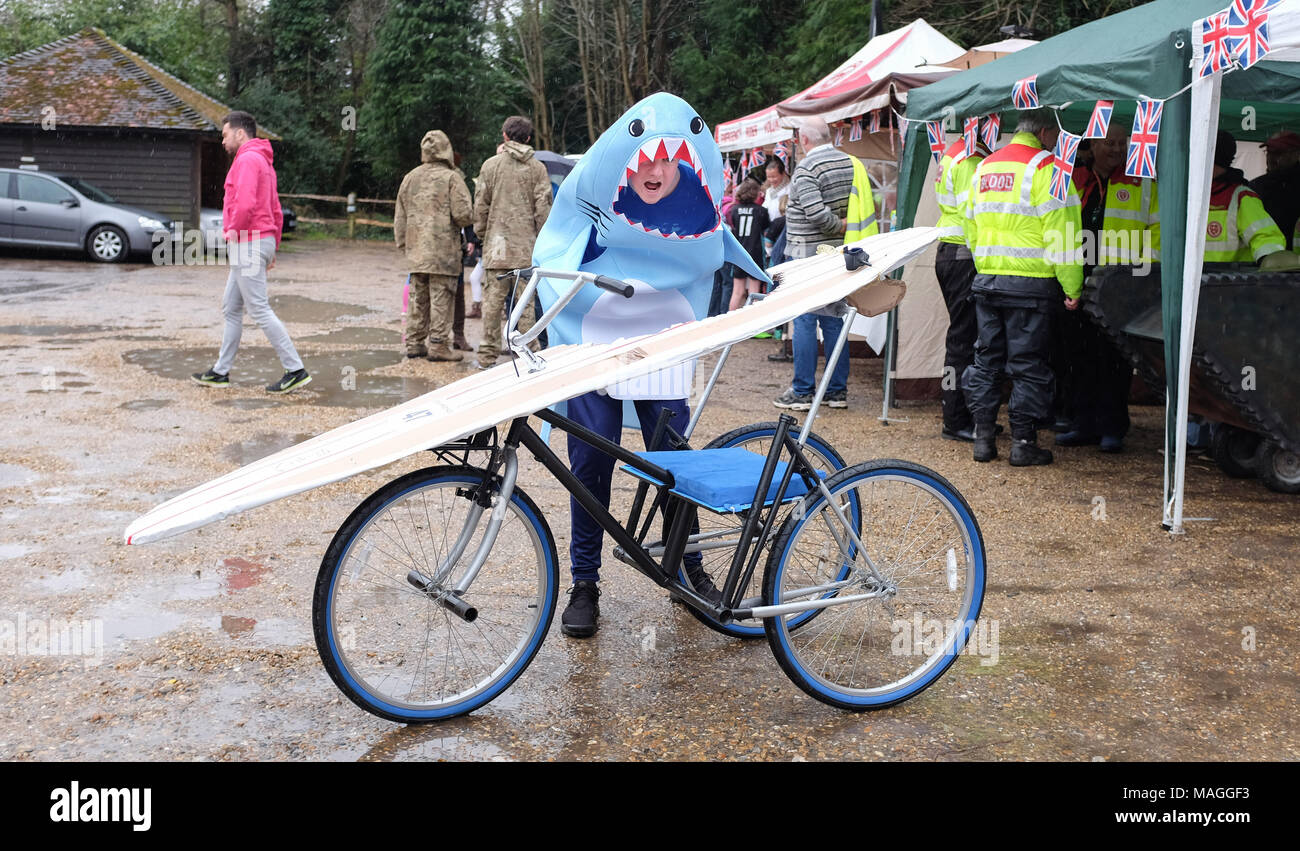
<point>659,148</point>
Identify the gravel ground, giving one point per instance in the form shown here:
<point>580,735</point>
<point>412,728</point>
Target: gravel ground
<point>1116,641</point>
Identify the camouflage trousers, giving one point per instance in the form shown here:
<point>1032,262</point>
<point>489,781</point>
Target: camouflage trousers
<point>494,314</point>
<point>429,312</point>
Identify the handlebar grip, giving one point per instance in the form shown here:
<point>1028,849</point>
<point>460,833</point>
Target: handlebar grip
<point>615,286</point>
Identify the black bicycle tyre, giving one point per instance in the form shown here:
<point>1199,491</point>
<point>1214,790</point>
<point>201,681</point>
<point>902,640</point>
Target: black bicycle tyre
<point>781,561</point>
<point>332,640</point>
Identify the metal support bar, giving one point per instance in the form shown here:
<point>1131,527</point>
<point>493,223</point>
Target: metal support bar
<point>847,315</point>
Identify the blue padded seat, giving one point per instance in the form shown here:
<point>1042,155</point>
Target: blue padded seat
<point>720,480</point>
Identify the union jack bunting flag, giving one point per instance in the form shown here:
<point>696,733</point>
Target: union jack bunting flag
<point>1024,94</point>
<point>782,152</point>
<point>970,136</point>
<point>934,129</point>
<point>1248,30</point>
<point>989,133</point>
<point>1142,143</point>
<point>875,121</point>
<point>757,158</point>
<point>839,135</point>
<point>1217,54</point>
<point>1100,121</point>
<point>855,130</point>
<point>1067,147</point>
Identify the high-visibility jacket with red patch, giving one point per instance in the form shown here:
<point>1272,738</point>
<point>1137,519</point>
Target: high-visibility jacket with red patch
<point>1237,229</point>
<point>1015,227</point>
<point>1132,210</point>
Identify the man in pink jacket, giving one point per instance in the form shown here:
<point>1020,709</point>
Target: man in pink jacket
<point>251,220</point>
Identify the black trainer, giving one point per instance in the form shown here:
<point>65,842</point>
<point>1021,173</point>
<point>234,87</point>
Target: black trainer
<point>212,379</point>
<point>291,380</point>
<point>579,618</point>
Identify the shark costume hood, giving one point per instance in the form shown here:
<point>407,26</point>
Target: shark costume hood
<point>668,251</point>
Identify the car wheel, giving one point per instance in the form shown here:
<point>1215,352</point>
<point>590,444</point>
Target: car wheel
<point>107,244</point>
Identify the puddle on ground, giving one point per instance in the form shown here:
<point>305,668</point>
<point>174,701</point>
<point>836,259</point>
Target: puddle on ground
<point>72,579</point>
<point>296,308</point>
<point>63,496</point>
<point>278,631</point>
<point>143,614</point>
<point>8,551</point>
<point>77,383</point>
<point>234,626</point>
<point>357,337</point>
<point>145,404</point>
<point>12,475</point>
<point>248,404</point>
<point>240,573</point>
<point>140,338</point>
<point>261,445</point>
<point>53,330</point>
<point>339,379</point>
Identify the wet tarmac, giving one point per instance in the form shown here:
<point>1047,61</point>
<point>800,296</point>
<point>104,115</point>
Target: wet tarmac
<point>340,378</point>
<point>1116,641</point>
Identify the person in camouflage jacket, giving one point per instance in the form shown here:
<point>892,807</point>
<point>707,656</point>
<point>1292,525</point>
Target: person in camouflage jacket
<point>513,199</point>
<point>433,204</point>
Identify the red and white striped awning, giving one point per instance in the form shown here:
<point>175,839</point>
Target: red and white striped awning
<point>885,67</point>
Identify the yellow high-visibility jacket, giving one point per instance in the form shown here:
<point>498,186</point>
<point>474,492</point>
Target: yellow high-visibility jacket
<point>1132,208</point>
<point>1013,224</point>
<point>862,207</point>
<point>952,187</point>
<point>1238,229</point>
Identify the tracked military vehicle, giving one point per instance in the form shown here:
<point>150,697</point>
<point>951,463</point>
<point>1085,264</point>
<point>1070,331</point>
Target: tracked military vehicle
<point>1245,358</point>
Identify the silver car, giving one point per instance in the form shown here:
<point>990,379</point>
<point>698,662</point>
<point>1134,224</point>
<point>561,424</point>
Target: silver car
<point>38,208</point>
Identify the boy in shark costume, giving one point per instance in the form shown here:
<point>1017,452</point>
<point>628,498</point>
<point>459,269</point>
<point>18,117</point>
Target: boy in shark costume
<point>641,206</point>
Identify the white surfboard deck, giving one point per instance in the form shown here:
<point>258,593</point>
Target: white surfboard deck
<point>483,400</point>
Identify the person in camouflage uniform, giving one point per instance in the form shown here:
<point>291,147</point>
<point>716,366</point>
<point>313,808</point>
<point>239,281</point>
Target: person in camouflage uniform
<point>433,204</point>
<point>512,203</point>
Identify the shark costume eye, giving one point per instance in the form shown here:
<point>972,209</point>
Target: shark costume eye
<point>637,127</point>
<point>697,125</point>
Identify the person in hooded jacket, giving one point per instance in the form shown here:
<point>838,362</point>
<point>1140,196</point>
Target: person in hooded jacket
<point>512,201</point>
<point>433,204</point>
<point>251,222</point>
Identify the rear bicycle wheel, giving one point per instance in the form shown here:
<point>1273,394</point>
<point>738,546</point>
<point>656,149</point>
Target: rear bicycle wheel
<point>899,633</point>
<point>396,651</point>
<point>722,531</point>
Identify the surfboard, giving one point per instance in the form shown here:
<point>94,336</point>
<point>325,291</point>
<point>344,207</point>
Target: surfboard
<point>506,391</point>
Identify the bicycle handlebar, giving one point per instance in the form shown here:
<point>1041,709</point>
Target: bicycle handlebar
<point>614,286</point>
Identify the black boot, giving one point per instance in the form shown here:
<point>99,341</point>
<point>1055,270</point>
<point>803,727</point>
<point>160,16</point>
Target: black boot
<point>579,618</point>
<point>986,447</point>
<point>1027,453</point>
<point>702,584</point>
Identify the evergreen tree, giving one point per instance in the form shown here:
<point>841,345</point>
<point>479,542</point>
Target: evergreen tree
<point>430,73</point>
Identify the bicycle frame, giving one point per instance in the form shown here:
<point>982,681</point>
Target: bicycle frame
<point>679,513</point>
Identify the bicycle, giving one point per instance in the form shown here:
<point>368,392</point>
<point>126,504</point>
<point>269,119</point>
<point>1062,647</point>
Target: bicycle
<point>425,609</point>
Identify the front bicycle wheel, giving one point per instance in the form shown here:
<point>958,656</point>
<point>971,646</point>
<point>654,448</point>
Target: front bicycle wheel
<point>894,629</point>
<point>393,648</point>
<point>721,532</point>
